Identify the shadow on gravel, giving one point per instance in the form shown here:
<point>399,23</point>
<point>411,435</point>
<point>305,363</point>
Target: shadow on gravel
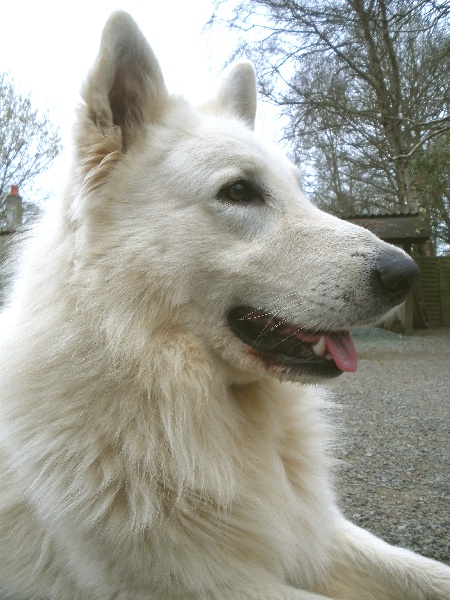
<point>424,342</point>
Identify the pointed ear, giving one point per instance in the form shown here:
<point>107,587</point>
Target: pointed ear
<point>237,93</point>
<point>125,89</point>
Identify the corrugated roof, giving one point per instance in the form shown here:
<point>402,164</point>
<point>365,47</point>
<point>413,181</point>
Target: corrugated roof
<point>394,227</point>
<point>399,211</point>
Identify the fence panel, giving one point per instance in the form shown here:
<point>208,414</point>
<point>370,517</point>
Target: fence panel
<point>434,285</point>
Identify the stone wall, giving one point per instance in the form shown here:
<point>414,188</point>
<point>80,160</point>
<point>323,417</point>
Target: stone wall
<point>4,239</point>
<point>13,217</point>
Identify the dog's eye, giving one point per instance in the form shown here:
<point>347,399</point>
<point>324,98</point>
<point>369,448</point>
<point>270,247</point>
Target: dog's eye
<point>239,191</point>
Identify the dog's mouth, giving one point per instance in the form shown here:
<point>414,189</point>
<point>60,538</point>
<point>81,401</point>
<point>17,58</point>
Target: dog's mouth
<point>284,345</point>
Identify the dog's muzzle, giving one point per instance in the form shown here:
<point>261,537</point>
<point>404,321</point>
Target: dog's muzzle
<point>282,345</point>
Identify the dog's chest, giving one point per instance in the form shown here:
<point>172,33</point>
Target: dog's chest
<point>272,524</point>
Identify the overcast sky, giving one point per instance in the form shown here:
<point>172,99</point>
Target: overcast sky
<point>48,47</point>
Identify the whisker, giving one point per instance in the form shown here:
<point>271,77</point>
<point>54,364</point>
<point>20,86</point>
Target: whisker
<point>170,326</point>
<point>266,331</point>
<point>258,310</point>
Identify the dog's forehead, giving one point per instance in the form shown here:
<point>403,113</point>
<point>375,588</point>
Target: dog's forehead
<point>224,143</point>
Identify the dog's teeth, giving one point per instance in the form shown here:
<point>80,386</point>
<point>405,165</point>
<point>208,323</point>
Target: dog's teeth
<point>285,330</point>
<point>320,347</point>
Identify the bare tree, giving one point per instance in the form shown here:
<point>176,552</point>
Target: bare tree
<point>432,176</point>
<point>366,87</point>
<point>28,141</point>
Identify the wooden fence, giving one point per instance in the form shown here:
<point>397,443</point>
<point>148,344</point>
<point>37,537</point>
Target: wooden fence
<point>432,302</point>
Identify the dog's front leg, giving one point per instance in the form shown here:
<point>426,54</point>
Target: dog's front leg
<point>367,568</point>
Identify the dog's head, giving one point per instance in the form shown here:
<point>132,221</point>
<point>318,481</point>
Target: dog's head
<point>191,220</point>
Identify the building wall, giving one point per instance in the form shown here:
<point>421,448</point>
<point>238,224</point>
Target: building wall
<point>4,240</point>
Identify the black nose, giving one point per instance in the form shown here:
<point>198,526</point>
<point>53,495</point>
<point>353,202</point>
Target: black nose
<point>395,275</point>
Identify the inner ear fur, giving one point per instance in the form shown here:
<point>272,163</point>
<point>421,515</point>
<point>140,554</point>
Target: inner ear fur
<point>237,93</point>
<point>125,88</point>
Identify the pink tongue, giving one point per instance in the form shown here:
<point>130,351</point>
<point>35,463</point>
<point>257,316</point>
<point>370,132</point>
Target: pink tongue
<point>343,351</point>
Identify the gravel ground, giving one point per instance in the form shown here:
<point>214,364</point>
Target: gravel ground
<point>394,475</point>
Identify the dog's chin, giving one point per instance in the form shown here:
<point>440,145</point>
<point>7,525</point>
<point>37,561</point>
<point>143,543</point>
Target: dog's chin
<point>284,368</point>
<point>289,352</point>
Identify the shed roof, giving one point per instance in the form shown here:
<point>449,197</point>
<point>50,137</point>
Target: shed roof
<point>394,227</point>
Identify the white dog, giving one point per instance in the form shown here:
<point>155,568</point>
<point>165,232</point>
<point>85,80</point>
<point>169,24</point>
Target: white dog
<point>149,449</point>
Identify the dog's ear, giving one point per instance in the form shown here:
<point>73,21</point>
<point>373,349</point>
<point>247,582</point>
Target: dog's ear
<point>125,88</point>
<point>237,93</point>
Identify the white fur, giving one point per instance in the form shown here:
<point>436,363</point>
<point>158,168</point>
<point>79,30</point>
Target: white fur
<point>146,452</point>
